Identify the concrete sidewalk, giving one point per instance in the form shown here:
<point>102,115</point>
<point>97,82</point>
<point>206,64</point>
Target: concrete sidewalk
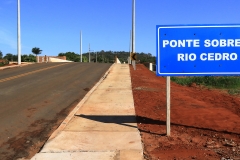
<point>102,126</point>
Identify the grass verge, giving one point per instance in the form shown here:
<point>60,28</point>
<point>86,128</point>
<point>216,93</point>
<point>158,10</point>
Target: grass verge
<point>230,83</point>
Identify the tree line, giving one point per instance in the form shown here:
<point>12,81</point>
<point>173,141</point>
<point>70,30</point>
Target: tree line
<point>24,57</point>
<point>108,56</point>
<point>101,56</point>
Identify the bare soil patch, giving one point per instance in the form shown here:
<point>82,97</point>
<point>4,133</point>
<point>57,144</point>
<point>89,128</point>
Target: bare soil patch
<point>205,123</point>
<point>30,142</point>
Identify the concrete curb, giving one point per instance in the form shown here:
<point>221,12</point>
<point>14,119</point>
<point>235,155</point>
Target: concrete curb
<point>72,113</point>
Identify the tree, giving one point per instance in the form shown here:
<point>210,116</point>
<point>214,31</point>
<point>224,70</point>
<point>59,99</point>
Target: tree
<point>84,58</point>
<point>71,56</point>
<point>31,58</point>
<point>9,57</point>
<point>1,55</point>
<point>28,58</point>
<point>36,51</point>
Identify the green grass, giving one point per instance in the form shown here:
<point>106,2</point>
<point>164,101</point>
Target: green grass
<point>1,64</point>
<point>231,83</point>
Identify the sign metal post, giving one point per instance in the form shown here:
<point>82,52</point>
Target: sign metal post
<point>196,50</point>
<point>168,105</point>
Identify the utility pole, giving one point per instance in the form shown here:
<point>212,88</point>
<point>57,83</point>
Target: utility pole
<point>133,33</point>
<point>96,57</point>
<point>133,26</point>
<point>18,33</point>
<point>130,46</point>
<point>89,53</point>
<point>80,46</point>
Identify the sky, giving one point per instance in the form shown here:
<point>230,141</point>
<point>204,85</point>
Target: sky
<point>54,25</point>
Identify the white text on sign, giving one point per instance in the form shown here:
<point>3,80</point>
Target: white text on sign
<point>207,43</point>
<point>207,56</point>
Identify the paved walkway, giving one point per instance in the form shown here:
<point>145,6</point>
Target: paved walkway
<point>102,126</point>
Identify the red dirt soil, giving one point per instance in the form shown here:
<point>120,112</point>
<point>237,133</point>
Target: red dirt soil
<point>12,64</point>
<point>205,123</point>
<point>15,64</point>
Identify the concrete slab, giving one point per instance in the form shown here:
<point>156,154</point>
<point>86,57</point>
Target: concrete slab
<point>106,123</point>
<point>121,68</point>
<point>107,109</point>
<point>94,141</point>
<point>131,155</point>
<point>109,155</point>
<point>116,76</point>
<point>116,85</point>
<point>116,96</point>
<point>119,72</point>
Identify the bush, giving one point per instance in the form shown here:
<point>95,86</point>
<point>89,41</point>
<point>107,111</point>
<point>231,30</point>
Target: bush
<point>217,82</point>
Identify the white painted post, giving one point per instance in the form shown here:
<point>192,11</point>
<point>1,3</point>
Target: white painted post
<point>133,32</point>
<point>80,46</point>
<point>130,45</point>
<point>168,106</point>
<point>18,33</point>
<point>150,67</point>
<point>89,53</point>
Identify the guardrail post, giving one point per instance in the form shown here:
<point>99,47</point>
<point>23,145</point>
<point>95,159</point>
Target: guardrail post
<point>150,67</point>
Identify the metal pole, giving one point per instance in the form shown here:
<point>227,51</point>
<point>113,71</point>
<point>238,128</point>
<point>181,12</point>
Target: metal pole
<point>133,31</point>
<point>81,46</point>
<point>89,53</point>
<point>96,57</point>
<point>18,34</point>
<point>130,45</point>
<point>168,106</point>
<point>133,26</point>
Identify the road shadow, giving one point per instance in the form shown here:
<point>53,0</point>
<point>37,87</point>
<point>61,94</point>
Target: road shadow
<point>145,120</point>
<point>126,120</point>
<point>118,119</point>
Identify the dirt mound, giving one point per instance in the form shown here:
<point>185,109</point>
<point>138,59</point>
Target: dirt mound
<point>204,123</point>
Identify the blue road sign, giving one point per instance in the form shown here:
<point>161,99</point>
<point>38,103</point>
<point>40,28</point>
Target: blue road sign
<point>198,50</point>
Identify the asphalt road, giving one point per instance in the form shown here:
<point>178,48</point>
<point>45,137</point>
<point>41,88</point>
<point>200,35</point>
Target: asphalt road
<point>35,99</point>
